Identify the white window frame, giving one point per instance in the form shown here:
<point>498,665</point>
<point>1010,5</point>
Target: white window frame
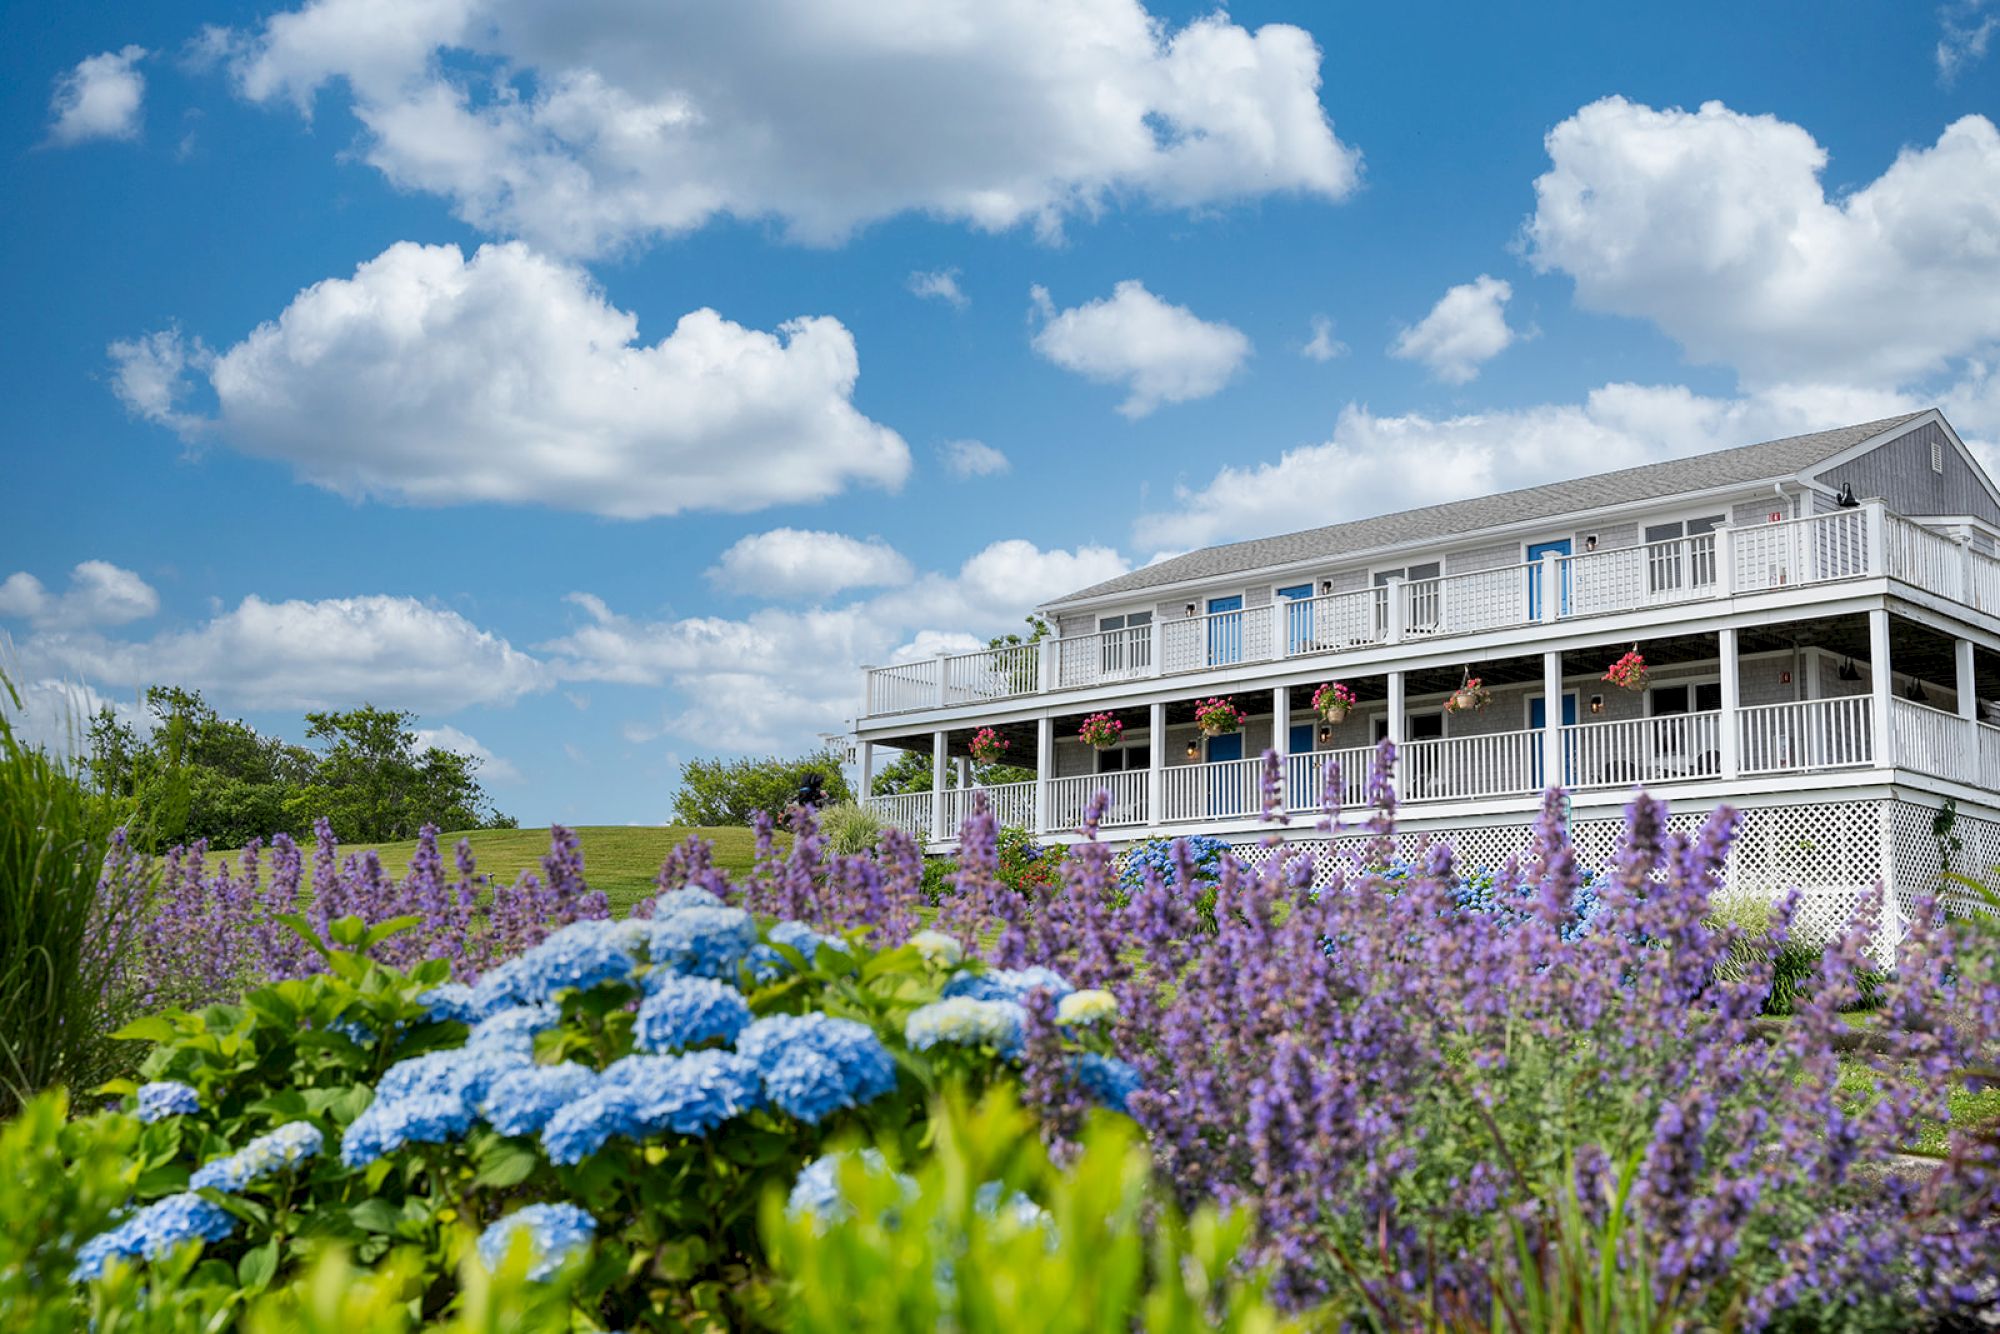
<point>1713,678</point>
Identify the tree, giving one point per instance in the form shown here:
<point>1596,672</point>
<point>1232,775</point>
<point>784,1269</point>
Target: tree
<point>726,792</point>
<point>910,771</point>
<point>373,782</point>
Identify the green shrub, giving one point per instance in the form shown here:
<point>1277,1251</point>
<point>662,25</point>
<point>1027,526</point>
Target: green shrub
<point>987,1237</point>
<point>1025,866</point>
<point>1793,970</point>
<point>938,882</point>
<point>64,1179</point>
<point>61,935</point>
<point>850,829</point>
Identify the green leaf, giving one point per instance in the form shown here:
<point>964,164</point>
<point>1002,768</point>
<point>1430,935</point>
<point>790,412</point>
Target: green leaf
<point>258,1266</point>
<point>505,1164</point>
<point>377,1215</point>
<point>153,1028</point>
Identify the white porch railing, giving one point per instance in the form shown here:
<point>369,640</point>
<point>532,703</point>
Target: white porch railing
<point>1801,551</point>
<point>1458,604</point>
<point>1934,742</point>
<point>1305,778</point>
<point>1109,655</point>
<point>1217,639</point>
<point>907,811</point>
<point>1224,790</point>
<point>1983,582</point>
<point>1809,734</point>
<point>1924,557</point>
<point>903,687</point>
<point>1454,768</point>
<point>1069,796</point>
<point>1335,621</point>
<point>994,673</point>
<point>1011,803</point>
<point>1643,751</point>
<point>1653,574</point>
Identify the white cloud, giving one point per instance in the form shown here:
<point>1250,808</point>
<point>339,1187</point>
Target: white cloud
<point>99,99</point>
<point>336,652</point>
<point>433,379</point>
<point>939,284</point>
<point>1968,26</point>
<point>1465,329</point>
<point>1161,353</point>
<point>777,677</point>
<point>1376,465</point>
<point>55,714</point>
<point>99,593</point>
<point>492,768</point>
<point>966,459</point>
<point>1323,346</point>
<point>605,123</point>
<point>1715,226</point>
<point>787,562</point>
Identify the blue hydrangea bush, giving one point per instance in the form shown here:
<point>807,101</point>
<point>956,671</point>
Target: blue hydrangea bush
<point>611,1106</point>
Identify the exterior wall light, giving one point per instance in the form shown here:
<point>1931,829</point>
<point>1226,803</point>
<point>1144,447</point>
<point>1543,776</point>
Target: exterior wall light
<point>1597,704</point>
<point>1193,751</point>
<point>1325,734</point>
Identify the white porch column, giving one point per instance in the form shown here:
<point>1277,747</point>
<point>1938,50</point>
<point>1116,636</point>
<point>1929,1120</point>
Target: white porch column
<point>964,774</point>
<point>1968,708</point>
<point>1880,685</point>
<point>1393,589</point>
<point>866,755</point>
<point>944,680</point>
<point>1878,538</point>
<point>1045,769</point>
<point>1396,708</point>
<point>1551,577</point>
<point>939,758</point>
<point>1732,701</point>
<point>1281,720</point>
<point>1156,762</point>
<point>1552,714</point>
<point>1048,664</point>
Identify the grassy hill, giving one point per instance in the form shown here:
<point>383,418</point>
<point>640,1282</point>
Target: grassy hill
<point>621,860</point>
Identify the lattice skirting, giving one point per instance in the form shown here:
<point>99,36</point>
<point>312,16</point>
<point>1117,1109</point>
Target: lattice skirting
<point>1833,852</point>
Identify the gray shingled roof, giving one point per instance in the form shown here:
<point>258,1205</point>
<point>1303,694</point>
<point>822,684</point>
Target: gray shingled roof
<point>1748,463</point>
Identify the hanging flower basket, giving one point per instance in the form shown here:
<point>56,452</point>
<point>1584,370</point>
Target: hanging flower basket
<point>1217,717</point>
<point>1470,697</point>
<point>1629,672</point>
<point>1101,730</point>
<point>988,746</point>
<point>1332,702</point>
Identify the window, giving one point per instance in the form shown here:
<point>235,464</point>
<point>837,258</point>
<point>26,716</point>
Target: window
<point>1127,644</point>
<point>1427,726</point>
<point>1699,697</point>
<point>1428,570</point>
<point>1673,564</point>
<point>1119,759</point>
<point>1937,455</point>
<point>1421,601</point>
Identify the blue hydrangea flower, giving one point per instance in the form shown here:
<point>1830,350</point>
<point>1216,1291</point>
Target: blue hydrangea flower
<point>1205,856</point>
<point>801,938</point>
<point>513,1029</point>
<point>264,1156</point>
<point>964,1021</point>
<point>766,964</point>
<point>465,1073</point>
<point>389,1124</point>
<point>935,947</point>
<point>684,1011</point>
<point>580,955</point>
<point>164,1098</point>
<point>522,1100</point>
<point>360,1034</point>
<point>813,1063</point>
<point>641,1096</point>
<point>1107,1079</point>
<point>680,900</point>
<point>1008,984</point>
<point>153,1232</point>
<point>453,1000</point>
<point>555,1232</point>
<point>703,942</point>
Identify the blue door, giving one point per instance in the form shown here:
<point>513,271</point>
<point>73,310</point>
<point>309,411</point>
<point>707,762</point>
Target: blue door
<point>1535,554</point>
<point>1225,786</point>
<point>1301,740</point>
<point>1296,603</point>
<point>1225,631</point>
<point>1538,713</point>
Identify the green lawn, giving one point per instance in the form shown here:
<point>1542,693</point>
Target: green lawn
<point>621,860</point>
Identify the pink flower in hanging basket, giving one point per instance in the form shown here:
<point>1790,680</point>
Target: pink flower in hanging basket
<point>1629,672</point>
<point>1215,717</point>
<point>1332,701</point>
<point>988,746</point>
<point>1101,730</point>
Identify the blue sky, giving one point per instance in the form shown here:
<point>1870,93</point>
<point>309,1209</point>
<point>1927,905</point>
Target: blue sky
<point>650,475</point>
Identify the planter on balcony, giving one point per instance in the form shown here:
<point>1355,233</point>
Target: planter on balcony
<point>1471,697</point>
<point>1100,731</point>
<point>1332,702</point>
<point>1217,717</point>
<point>988,746</point>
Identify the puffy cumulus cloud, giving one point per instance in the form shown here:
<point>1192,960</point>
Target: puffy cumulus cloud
<point>777,677</point>
<point>1375,465</point>
<point>1715,226</point>
<point>99,593</point>
<point>1465,329</point>
<point>590,126</point>
<point>791,562</point>
<point>939,285</point>
<point>100,98</point>
<point>55,714</point>
<point>491,768</point>
<point>432,379</point>
<point>309,655</point>
<point>966,459</point>
<point>1161,353</point>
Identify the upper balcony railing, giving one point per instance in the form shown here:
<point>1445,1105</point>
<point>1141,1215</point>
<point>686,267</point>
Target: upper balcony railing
<point>1846,544</point>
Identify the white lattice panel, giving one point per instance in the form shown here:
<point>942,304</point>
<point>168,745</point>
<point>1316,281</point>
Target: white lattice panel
<point>1921,856</point>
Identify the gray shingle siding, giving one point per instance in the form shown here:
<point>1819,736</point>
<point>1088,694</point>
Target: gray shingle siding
<point>1434,523</point>
<point>1899,471</point>
<point>1495,557</point>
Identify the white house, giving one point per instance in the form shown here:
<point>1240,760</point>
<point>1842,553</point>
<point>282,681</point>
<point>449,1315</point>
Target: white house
<point>1820,617</point>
